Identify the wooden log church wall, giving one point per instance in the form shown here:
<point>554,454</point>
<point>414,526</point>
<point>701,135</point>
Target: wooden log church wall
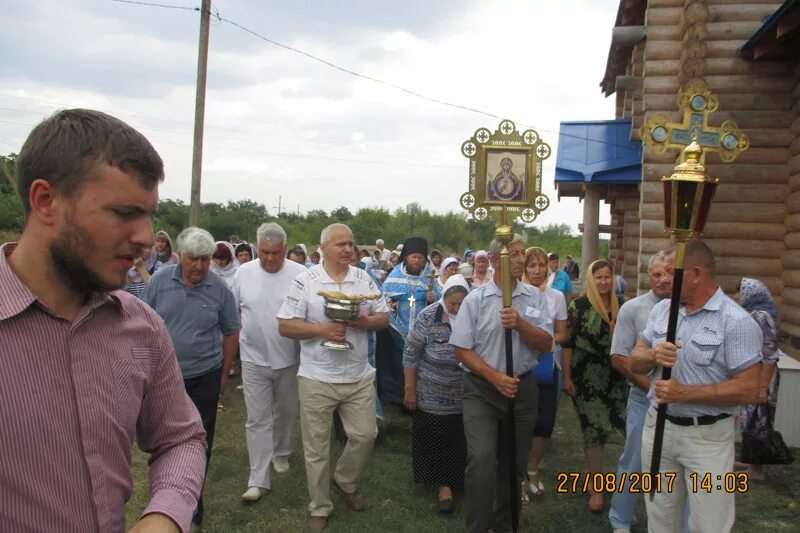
<point>754,224</point>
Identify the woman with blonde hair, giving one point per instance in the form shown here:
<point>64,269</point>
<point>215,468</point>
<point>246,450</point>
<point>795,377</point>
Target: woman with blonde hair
<point>546,372</point>
<point>598,391</point>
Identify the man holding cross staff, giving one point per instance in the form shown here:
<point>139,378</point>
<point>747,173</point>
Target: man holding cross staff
<point>486,332</point>
<point>715,367</point>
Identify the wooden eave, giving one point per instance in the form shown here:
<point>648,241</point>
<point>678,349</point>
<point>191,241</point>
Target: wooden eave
<point>629,13</point>
<point>778,37</point>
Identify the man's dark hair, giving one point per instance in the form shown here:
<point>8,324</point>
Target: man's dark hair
<point>699,254</point>
<point>65,148</point>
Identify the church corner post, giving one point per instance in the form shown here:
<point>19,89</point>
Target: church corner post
<point>505,183</point>
<point>688,193</point>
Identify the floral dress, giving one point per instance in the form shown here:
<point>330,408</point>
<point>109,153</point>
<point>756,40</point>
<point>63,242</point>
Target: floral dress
<point>601,393</point>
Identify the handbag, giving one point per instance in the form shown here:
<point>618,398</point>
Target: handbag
<point>543,372</point>
<point>761,444</point>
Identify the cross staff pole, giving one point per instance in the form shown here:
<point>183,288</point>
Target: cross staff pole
<point>666,373</point>
<point>688,193</point>
<point>505,234</point>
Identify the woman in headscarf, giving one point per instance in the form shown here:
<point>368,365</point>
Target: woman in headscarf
<point>223,262</point>
<point>164,253</point>
<point>598,391</point>
<point>448,268</point>
<point>546,372</point>
<point>481,273</point>
<point>433,393</point>
<point>297,254</point>
<point>755,298</point>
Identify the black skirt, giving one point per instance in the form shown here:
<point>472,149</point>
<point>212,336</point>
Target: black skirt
<point>438,449</point>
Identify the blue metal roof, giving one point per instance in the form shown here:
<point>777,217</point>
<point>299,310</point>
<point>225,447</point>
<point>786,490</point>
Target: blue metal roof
<point>598,151</point>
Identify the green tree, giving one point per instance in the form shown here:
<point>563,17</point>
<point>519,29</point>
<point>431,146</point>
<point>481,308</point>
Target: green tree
<point>12,215</point>
<point>341,214</point>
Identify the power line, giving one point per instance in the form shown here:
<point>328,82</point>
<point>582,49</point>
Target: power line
<point>150,4</point>
<point>281,136</point>
<point>389,84</point>
<point>248,141</point>
<point>281,154</point>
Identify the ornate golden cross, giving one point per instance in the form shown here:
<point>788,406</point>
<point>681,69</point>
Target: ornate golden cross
<point>697,103</point>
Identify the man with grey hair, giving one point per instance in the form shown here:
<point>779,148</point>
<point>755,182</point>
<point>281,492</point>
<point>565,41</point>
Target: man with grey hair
<point>384,252</point>
<point>478,336</point>
<point>269,361</point>
<point>198,309</point>
<point>631,320</point>
<point>331,379</point>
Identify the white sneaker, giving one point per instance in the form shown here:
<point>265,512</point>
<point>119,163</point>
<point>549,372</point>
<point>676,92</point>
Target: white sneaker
<point>239,387</point>
<point>253,494</point>
<point>281,466</point>
<point>622,530</point>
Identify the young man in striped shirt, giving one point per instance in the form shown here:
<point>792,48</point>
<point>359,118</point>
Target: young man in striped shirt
<point>87,368</point>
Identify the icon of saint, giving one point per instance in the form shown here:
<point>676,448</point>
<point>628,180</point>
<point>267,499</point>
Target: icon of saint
<point>506,186</point>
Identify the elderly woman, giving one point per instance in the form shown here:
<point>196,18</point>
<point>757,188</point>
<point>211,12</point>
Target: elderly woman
<point>481,274</point>
<point>598,391</point>
<point>449,268</point>
<point>223,263</point>
<point>433,393</point>
<point>535,273</point>
<point>755,298</point>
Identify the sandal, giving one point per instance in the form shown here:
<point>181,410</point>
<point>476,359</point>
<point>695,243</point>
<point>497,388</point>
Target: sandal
<point>525,500</point>
<point>220,407</point>
<point>537,489</point>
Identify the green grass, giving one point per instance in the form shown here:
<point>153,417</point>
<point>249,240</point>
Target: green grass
<point>396,505</point>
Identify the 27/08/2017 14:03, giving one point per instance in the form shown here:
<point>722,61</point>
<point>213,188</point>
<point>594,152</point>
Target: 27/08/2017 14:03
<point>644,482</point>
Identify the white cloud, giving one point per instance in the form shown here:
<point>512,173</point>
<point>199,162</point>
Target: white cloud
<point>281,124</point>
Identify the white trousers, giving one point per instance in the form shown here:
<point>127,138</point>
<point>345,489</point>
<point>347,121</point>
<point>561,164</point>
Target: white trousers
<point>272,405</point>
<point>706,452</point>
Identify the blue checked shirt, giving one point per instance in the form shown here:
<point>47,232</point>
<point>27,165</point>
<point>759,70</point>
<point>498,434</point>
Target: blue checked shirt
<point>719,340</point>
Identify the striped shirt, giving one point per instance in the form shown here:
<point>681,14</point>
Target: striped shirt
<point>719,340</point>
<point>439,376</point>
<point>75,396</point>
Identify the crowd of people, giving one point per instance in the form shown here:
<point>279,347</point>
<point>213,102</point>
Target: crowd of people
<point>88,368</point>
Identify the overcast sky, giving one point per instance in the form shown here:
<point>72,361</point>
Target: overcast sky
<point>281,124</point>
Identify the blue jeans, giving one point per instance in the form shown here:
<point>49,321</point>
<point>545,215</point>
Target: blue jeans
<point>623,503</point>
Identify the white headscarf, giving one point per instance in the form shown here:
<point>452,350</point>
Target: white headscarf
<point>452,281</point>
<point>447,262</point>
<point>229,270</point>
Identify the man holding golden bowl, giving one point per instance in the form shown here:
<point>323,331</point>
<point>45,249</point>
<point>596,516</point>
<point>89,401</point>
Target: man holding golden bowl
<point>334,377</point>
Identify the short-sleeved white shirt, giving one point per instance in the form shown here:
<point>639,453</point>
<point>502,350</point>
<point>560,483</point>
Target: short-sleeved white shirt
<point>556,303</point>
<point>631,321</point>
<point>260,295</point>
<point>478,327</point>
<point>302,301</point>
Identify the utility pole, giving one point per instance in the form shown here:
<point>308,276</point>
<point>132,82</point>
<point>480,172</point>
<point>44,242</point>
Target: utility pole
<point>278,207</point>
<point>199,113</point>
